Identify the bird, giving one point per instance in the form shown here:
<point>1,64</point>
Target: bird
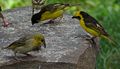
<point>27,43</point>
<point>36,4</point>
<point>91,26</point>
<point>50,11</point>
<point>3,18</point>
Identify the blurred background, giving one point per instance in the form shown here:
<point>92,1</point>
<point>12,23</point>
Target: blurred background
<point>107,12</point>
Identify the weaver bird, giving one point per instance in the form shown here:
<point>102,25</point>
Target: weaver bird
<point>50,11</point>
<point>3,18</point>
<point>91,25</point>
<point>37,4</point>
<point>27,43</point>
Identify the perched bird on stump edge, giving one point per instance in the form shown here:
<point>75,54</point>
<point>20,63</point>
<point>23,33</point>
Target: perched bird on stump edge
<point>50,11</point>
<point>37,4</point>
<point>27,43</point>
<point>91,25</point>
<point>3,18</point>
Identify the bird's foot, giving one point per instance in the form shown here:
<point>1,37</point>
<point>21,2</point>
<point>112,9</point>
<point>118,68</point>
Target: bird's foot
<point>91,40</point>
<point>6,23</point>
<point>51,21</point>
<point>87,37</point>
<point>60,18</point>
<point>17,58</point>
<point>94,44</point>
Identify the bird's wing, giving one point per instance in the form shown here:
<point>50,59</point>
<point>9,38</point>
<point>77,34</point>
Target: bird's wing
<point>93,24</point>
<point>50,8</point>
<point>18,43</point>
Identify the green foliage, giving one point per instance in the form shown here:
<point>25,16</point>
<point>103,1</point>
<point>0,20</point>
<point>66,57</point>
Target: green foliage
<point>107,12</point>
<point>113,62</point>
<point>8,4</point>
<point>111,24</point>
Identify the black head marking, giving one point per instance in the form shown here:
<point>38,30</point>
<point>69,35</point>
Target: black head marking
<point>35,18</point>
<point>87,18</point>
<point>77,17</point>
<point>84,14</point>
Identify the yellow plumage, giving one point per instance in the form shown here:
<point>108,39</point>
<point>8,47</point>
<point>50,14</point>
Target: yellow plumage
<point>90,31</point>
<point>49,15</point>
<point>90,25</point>
<point>49,12</point>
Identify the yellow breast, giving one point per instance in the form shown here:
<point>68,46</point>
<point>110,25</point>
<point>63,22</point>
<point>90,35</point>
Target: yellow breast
<point>90,31</point>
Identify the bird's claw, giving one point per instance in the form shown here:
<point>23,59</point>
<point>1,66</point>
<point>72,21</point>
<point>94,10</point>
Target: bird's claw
<point>6,23</point>
<point>51,21</point>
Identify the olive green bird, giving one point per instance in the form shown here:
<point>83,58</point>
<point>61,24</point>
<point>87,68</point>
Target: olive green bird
<point>50,12</point>
<point>27,43</point>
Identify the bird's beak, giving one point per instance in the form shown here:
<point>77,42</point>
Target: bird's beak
<point>44,43</point>
<point>33,23</point>
<point>77,17</point>
<point>74,17</point>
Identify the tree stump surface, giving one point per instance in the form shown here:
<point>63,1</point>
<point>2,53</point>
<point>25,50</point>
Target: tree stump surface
<point>63,50</point>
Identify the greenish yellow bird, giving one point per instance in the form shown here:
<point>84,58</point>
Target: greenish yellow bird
<point>50,11</point>
<point>91,25</point>
<point>27,43</point>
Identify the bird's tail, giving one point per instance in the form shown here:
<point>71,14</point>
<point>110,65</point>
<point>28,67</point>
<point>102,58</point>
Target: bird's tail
<point>4,48</point>
<point>68,6</point>
<point>111,40</point>
<point>72,4</point>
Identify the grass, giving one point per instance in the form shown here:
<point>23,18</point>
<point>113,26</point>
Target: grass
<point>106,12</point>
<point>109,52</point>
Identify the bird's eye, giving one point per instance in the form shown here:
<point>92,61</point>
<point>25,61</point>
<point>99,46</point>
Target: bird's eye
<point>42,40</point>
<point>78,17</point>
